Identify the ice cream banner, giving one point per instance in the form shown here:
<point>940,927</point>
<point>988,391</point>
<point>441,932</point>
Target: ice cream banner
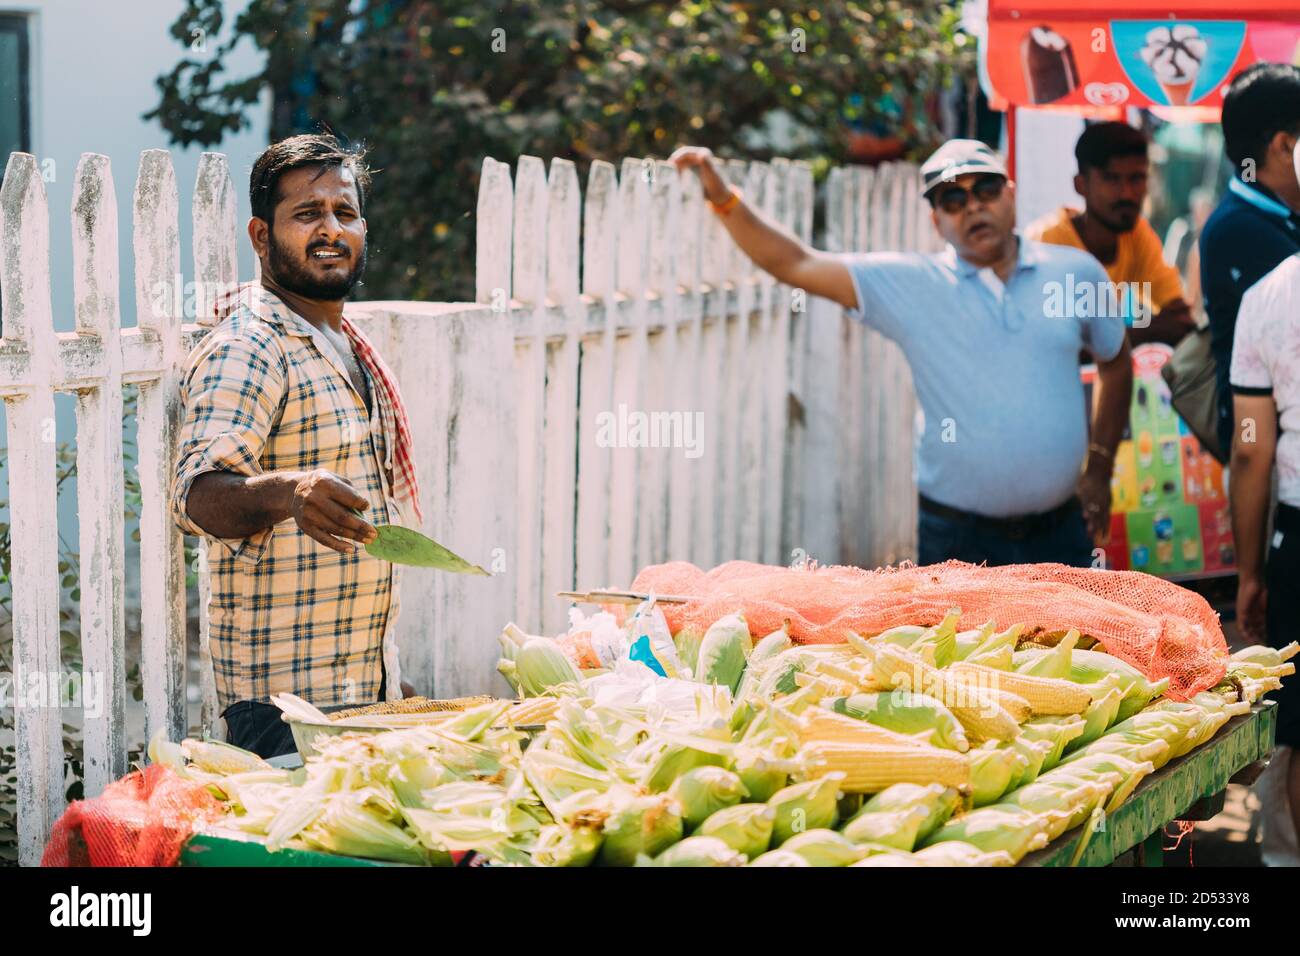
<point>1169,507</point>
<point>1084,60</point>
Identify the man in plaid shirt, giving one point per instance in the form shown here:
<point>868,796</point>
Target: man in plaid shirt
<point>292,424</point>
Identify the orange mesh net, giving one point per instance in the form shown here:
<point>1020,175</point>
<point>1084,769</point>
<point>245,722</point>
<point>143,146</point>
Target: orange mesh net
<point>1162,629</point>
<point>141,820</point>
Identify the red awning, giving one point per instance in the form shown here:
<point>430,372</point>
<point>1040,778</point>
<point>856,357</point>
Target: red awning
<point>1080,56</point>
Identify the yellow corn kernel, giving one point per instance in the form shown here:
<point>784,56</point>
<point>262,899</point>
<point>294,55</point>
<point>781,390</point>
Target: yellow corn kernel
<point>819,725</point>
<point>1047,696</point>
<point>870,768</point>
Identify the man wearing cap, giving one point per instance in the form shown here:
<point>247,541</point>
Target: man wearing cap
<point>992,328</point>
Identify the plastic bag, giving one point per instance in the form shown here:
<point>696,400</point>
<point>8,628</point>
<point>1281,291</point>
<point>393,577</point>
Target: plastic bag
<point>594,642</point>
<point>650,642</point>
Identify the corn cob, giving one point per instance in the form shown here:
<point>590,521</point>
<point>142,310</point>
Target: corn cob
<point>412,705</point>
<point>828,686</point>
<point>870,768</point>
<point>535,710</point>
<point>819,725</point>
<point>215,756</point>
<point>1047,696</point>
<point>860,677</point>
<point>980,710</point>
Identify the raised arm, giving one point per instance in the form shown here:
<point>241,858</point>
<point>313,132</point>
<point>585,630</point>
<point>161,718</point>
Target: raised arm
<point>772,249</point>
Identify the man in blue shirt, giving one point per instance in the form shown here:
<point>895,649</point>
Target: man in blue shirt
<point>1256,225</point>
<point>992,328</point>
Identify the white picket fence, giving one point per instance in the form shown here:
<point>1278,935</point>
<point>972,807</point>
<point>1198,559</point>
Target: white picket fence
<point>591,310</point>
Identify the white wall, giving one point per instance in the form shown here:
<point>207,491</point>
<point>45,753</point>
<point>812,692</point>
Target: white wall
<point>1045,165</point>
<point>93,67</point>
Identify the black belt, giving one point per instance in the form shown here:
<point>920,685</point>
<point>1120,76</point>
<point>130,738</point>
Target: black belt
<point>1287,518</point>
<point>1021,526</point>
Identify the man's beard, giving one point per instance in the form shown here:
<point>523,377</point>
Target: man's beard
<point>294,277</point>
<point>1116,221</point>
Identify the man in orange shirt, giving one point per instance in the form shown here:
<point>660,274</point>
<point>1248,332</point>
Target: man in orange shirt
<point>1112,180</point>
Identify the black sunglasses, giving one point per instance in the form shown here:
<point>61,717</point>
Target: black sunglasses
<point>953,199</point>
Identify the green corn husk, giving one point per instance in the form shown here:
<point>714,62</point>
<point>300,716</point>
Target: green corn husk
<point>639,825</point>
<point>779,858</point>
<point>1059,731</point>
<point>746,827</point>
<point>1035,752</point>
<point>1072,799</point>
<point>907,713</point>
<point>801,807</point>
<point>674,761</point>
<point>761,776</point>
<point>938,801</point>
<point>764,651</point>
<point>957,853</point>
<point>1048,662</point>
<point>1097,719</point>
<point>896,829</point>
<point>540,664</point>
<point>966,643</point>
<point>943,638</point>
<point>696,851</point>
<point>724,652</point>
<point>824,848</point>
<point>559,844</point>
<point>1094,766</point>
<point>348,828</point>
<point>1000,658</point>
<point>1137,699</point>
<point>215,756</point>
<point>991,771</point>
<point>704,791</point>
<point>687,641</point>
<point>996,828</point>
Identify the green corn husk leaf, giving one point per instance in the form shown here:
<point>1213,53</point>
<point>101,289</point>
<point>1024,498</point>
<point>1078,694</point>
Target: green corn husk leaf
<point>541,664</point>
<point>801,807</point>
<point>696,851</point>
<point>215,756</point>
<point>1034,752</point>
<point>771,645</point>
<point>1097,719</point>
<point>907,713</point>
<point>1140,696</point>
<point>896,829</point>
<point>560,844</point>
<point>905,635</point>
<point>996,828</point>
<point>779,858</point>
<point>724,652</point>
<point>991,771</point>
<point>705,790</point>
<point>639,825</point>
<point>957,853</point>
<point>688,641</point>
<point>761,776</point>
<point>999,658</point>
<point>1093,767</point>
<point>746,827</point>
<point>347,829</point>
<point>938,801</point>
<point>943,638</point>
<point>1049,662</point>
<point>966,643</point>
<point>824,848</point>
<point>673,761</point>
<point>1058,731</point>
<point>1072,799</point>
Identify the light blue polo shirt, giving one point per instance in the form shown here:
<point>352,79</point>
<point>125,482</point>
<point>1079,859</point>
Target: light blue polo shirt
<point>996,368</point>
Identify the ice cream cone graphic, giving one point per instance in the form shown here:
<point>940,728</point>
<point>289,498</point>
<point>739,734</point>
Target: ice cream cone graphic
<point>1175,54</point>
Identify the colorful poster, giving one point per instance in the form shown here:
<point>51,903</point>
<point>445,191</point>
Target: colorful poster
<point>1067,55</point>
<point>1169,510</point>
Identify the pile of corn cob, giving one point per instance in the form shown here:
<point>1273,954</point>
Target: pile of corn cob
<point>921,746</point>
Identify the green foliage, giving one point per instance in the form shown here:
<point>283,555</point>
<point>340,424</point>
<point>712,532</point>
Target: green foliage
<point>433,88</point>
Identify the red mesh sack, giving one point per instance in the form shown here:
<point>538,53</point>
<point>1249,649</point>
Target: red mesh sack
<point>1162,629</point>
<point>141,820</point>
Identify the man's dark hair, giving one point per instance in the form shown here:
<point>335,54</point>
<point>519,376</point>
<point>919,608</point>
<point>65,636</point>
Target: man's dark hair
<point>1102,142</point>
<point>1262,101</point>
<point>309,149</point>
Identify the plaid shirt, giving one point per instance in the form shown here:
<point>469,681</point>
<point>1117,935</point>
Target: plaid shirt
<point>265,392</point>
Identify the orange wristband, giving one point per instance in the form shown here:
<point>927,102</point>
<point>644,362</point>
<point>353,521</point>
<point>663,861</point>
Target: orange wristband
<point>729,204</point>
